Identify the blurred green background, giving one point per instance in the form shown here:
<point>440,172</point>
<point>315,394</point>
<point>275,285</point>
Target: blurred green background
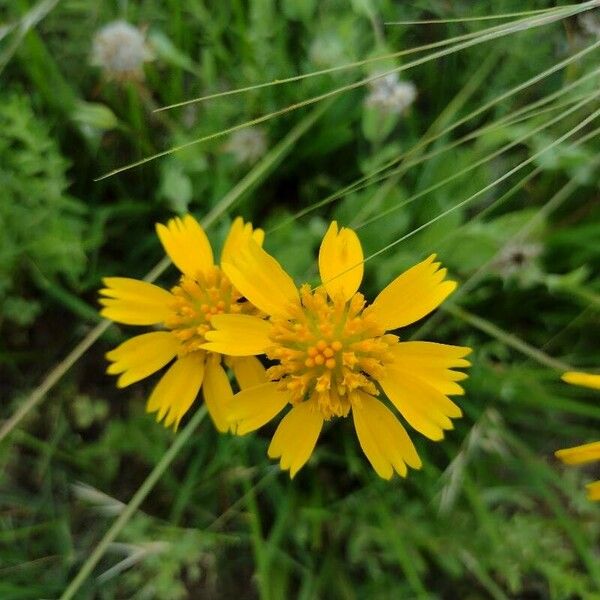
<point>508,204</point>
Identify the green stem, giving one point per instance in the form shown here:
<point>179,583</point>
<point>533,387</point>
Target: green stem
<point>134,504</point>
<point>507,338</point>
<point>258,542</point>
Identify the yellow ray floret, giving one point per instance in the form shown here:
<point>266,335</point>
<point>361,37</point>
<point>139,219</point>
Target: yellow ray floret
<point>134,302</point>
<point>296,436</point>
<point>382,438</point>
<point>248,371</point>
<point>341,262</point>
<point>142,356</point>
<point>412,295</point>
<point>583,379</point>
<point>186,244</point>
<point>579,454</point>
<point>332,354</point>
<point>184,313</point>
<point>586,453</point>
<point>593,491</point>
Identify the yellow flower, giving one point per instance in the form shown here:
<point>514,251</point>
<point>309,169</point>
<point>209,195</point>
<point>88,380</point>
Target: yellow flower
<point>588,452</point>
<point>183,315</point>
<point>333,355</point>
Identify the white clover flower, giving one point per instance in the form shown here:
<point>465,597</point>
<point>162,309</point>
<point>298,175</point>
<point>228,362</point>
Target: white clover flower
<point>390,95</point>
<point>247,145</point>
<point>120,50</point>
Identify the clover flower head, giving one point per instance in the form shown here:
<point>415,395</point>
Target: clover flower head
<point>120,49</point>
<point>247,145</point>
<point>587,453</point>
<point>390,95</point>
<point>183,316</point>
<point>333,354</point>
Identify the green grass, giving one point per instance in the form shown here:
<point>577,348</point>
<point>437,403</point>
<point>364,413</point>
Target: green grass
<point>498,152</point>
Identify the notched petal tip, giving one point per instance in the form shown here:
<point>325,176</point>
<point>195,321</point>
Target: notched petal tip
<point>341,262</point>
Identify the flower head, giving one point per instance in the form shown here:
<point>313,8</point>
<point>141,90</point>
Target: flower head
<point>586,453</point>
<point>121,51</point>
<point>247,145</point>
<point>333,354</point>
<point>184,316</point>
<point>518,259</point>
<point>390,95</point>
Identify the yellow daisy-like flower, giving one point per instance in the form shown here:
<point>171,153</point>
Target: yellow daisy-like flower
<point>579,455</point>
<point>184,316</point>
<point>333,355</point>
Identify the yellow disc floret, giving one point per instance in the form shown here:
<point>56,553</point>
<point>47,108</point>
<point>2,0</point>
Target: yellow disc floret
<point>196,300</point>
<point>328,350</point>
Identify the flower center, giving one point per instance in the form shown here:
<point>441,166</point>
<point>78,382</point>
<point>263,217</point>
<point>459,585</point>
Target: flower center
<point>196,300</point>
<point>328,350</point>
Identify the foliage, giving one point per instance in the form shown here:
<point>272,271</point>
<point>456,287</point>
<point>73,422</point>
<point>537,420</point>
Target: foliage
<point>43,228</point>
<point>491,514</point>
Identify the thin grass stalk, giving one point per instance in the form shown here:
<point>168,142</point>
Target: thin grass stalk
<point>512,171</point>
<point>553,204</point>
<point>508,339</point>
<point>29,20</point>
<point>357,184</point>
<point>356,64</point>
<point>482,161</point>
<point>500,32</point>
<point>472,19</point>
<point>453,107</point>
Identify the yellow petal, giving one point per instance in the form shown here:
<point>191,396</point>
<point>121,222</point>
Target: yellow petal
<point>238,236</point>
<point>412,295</point>
<point>341,262</point>
<point>248,371</point>
<point>382,438</point>
<point>579,454</point>
<point>296,436</point>
<point>186,244</point>
<point>134,302</point>
<point>261,279</point>
<point>584,379</point>
<point>178,388</point>
<point>141,356</point>
<point>432,363</point>
<point>425,408</point>
<point>238,335</point>
<point>446,353</point>
<point>253,407</point>
<point>593,491</point>
<point>217,392</point>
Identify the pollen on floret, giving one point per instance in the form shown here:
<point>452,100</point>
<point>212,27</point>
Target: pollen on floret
<point>196,300</point>
<point>329,367</point>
